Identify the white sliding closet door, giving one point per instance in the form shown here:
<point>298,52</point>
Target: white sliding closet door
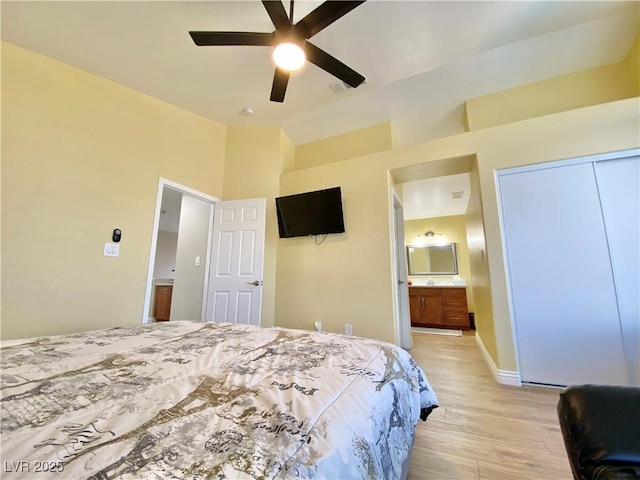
<point>619,187</point>
<point>562,289</point>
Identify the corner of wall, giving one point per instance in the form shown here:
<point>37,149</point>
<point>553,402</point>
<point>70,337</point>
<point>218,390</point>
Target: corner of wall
<point>504,377</point>
<point>393,142</point>
<point>287,153</point>
<point>466,117</point>
<point>480,284</point>
<point>632,62</point>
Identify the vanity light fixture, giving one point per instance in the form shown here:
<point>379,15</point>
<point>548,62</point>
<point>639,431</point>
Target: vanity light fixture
<point>431,237</point>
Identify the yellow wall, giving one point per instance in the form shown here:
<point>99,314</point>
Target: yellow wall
<point>339,281</point>
<point>376,138</point>
<point>256,156</point>
<point>454,229</point>
<point>348,279</point>
<point>80,157</point>
<point>576,90</point>
<point>632,63</point>
<point>479,265</point>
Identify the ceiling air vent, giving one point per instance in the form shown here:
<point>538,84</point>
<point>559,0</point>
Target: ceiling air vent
<point>456,195</point>
<point>340,87</point>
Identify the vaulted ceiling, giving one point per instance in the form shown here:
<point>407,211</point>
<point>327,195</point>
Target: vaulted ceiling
<point>421,59</point>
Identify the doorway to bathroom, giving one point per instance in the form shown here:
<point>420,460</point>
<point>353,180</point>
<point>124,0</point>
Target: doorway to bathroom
<point>443,213</point>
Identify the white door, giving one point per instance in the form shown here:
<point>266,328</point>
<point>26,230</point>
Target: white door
<point>235,276</point>
<point>619,187</point>
<point>562,289</point>
<point>402,288</point>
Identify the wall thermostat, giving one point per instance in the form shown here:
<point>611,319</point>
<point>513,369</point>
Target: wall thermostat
<point>117,235</point>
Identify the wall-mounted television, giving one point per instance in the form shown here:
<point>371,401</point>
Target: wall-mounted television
<point>310,213</point>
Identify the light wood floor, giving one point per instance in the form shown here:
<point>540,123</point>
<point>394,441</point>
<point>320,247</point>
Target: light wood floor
<point>483,430</point>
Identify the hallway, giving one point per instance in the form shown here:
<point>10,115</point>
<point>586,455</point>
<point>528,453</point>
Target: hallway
<point>483,430</point>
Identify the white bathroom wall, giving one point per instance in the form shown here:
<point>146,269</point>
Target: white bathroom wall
<point>165,255</point>
<point>193,237</point>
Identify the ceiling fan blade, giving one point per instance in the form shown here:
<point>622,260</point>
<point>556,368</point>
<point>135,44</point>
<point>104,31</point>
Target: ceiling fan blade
<point>323,16</point>
<point>277,13</point>
<point>332,65</point>
<point>279,87</point>
<point>232,38</point>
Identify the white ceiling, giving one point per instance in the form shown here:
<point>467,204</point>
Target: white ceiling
<point>434,197</point>
<point>421,59</point>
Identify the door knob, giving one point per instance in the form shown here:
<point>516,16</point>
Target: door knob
<point>257,283</point>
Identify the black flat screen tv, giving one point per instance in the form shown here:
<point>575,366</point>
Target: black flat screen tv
<point>310,213</point>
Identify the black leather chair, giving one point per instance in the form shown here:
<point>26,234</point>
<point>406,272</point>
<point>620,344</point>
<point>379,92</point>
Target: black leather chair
<point>600,426</point>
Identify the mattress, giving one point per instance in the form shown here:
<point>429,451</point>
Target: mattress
<point>206,400</point>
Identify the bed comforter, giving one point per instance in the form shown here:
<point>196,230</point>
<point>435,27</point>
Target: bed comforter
<point>204,400</point>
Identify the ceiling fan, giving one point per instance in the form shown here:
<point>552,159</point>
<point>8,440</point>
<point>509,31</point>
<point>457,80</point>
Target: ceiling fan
<point>291,37</point>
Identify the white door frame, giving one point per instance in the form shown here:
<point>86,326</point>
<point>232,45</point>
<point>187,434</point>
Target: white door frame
<point>163,182</point>
<point>400,300</point>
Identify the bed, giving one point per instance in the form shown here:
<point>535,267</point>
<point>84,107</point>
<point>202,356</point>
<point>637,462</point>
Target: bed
<point>204,400</point>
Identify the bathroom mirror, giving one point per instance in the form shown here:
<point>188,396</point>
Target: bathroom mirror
<point>436,259</point>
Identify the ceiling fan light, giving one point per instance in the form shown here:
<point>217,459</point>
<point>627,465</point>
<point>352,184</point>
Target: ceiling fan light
<point>288,56</point>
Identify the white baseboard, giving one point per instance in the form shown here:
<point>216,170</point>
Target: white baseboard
<point>438,331</point>
<point>504,377</point>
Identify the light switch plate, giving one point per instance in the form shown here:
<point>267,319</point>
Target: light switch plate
<point>111,250</point>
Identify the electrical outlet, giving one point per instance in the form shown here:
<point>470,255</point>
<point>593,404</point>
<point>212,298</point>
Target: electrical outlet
<point>347,329</point>
<point>318,326</point>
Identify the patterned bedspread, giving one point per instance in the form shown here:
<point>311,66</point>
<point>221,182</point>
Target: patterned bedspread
<point>202,400</point>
